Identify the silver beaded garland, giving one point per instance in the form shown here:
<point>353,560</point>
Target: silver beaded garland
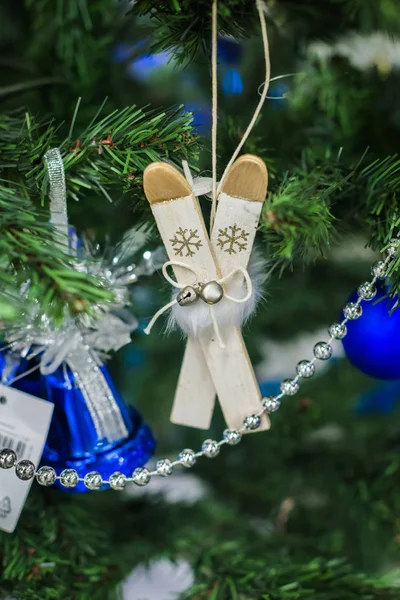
<point>141,476</point>
<point>379,269</point>
<point>352,311</point>
<point>8,458</point>
<point>187,458</point>
<point>367,291</point>
<point>289,387</point>
<point>93,480</point>
<point>305,368</point>
<point>210,448</point>
<point>232,436</point>
<point>117,481</point>
<point>25,470</point>
<point>322,351</point>
<point>164,467</point>
<point>252,422</point>
<point>338,330</point>
<point>69,478</point>
<point>271,404</point>
<point>46,476</point>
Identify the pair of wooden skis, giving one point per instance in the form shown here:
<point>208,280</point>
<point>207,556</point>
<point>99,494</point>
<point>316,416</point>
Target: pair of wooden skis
<point>208,369</point>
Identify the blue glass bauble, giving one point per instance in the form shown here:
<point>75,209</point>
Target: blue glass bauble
<point>381,400</point>
<point>73,442</point>
<point>372,342</point>
<point>229,51</point>
<point>232,83</point>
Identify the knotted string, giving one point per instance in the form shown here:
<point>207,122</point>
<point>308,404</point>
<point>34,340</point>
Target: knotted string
<point>205,185</point>
<point>261,8</point>
<point>198,283</point>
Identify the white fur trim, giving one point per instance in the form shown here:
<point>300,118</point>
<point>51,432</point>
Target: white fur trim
<point>194,318</point>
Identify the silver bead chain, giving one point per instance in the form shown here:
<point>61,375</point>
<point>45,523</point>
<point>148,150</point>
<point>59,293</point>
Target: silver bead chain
<point>187,458</point>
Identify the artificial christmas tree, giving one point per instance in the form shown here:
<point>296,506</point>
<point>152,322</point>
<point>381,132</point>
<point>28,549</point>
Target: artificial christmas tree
<point>308,508</point>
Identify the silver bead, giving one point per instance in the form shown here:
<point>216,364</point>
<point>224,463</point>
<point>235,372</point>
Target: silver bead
<point>187,458</point>
<point>69,478</point>
<point>367,291</point>
<point>25,470</point>
<point>394,246</point>
<point>211,292</point>
<point>210,448</point>
<point>187,295</point>
<point>252,422</point>
<point>93,480</point>
<point>352,311</point>
<point>232,436</point>
<point>46,476</point>
<point>305,368</point>
<point>379,269</point>
<point>322,350</point>
<point>338,330</point>
<point>164,467</point>
<point>141,476</point>
<point>8,458</point>
<point>289,387</point>
<point>271,404</point>
<point>117,481</point>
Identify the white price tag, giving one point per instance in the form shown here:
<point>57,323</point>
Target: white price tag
<point>24,424</point>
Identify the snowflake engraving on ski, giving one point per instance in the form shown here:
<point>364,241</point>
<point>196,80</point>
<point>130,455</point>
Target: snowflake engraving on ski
<point>232,239</point>
<point>186,240</point>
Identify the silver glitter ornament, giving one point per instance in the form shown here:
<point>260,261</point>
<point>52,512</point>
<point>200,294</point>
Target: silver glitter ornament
<point>232,436</point>
<point>164,467</point>
<point>187,458</point>
<point>352,311</point>
<point>305,368</point>
<point>379,269</point>
<point>367,291</point>
<point>211,292</point>
<point>187,295</point>
<point>46,476</point>
<point>25,470</point>
<point>69,478</point>
<point>8,458</point>
<point>93,480</point>
<point>252,422</point>
<point>394,246</point>
<point>289,387</point>
<point>338,330</point>
<point>210,448</point>
<point>271,404</point>
<point>117,481</point>
<point>141,476</point>
<point>322,351</point>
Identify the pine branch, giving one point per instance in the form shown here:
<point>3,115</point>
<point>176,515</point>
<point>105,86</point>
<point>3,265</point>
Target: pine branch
<point>308,209</point>
<point>185,25</point>
<point>26,242</point>
<point>297,218</point>
<point>111,152</point>
<point>77,34</point>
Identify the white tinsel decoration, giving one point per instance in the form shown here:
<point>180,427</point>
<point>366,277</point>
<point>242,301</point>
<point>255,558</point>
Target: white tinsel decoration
<point>363,51</point>
<point>160,580</point>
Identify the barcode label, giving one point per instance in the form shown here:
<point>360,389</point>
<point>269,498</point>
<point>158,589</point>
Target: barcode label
<point>11,443</point>
<point>24,423</point>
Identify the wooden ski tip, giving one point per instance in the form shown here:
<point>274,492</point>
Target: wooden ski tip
<point>247,178</point>
<point>163,182</point>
